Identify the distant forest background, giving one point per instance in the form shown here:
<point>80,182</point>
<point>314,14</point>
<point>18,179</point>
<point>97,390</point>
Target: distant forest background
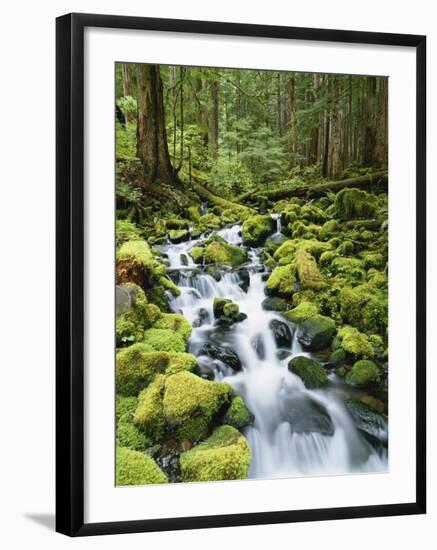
<point>232,130</point>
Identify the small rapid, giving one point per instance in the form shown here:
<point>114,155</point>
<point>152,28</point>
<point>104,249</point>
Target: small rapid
<point>296,431</point>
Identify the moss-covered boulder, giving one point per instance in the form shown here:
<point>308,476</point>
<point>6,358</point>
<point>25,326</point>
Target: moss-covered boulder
<point>178,235</point>
<point>193,213</point>
<point>363,372</point>
<point>309,370</point>
<point>137,365</point>
<point>302,312</point>
<point>134,314</point>
<point>365,306</point>
<point>209,221</point>
<point>352,203</point>
<point>316,332</point>
<point>175,322</point>
<point>128,435</point>
<point>256,229</point>
<point>136,468</point>
<point>285,253</point>
<point>149,414</point>
<point>217,251</point>
<point>136,263</point>
<point>355,343</point>
<point>282,281</point>
<point>227,312</point>
<point>275,303</point>
<point>125,406</point>
<point>307,271</point>
<point>238,415</point>
<point>191,404</point>
<point>161,339</point>
<point>223,456</point>
<point>328,230</point>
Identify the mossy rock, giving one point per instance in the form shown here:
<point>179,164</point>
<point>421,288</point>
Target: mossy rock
<point>217,251</point>
<point>128,435</point>
<point>307,271</point>
<point>302,312</point>
<point>328,230</point>
<point>125,406</point>
<point>346,248</point>
<point>256,229</point>
<point>238,415</point>
<point>316,332</point>
<point>309,370</point>
<point>193,213</point>
<point>365,306</point>
<point>373,259</point>
<point>338,358</point>
<point>174,322</point>
<point>230,215</point>
<point>282,281</point>
<point>137,365</point>
<point>149,414</point>
<point>312,213</point>
<point>275,303</point>
<point>363,372</point>
<point>355,343</point>
<point>209,221</point>
<point>191,404</point>
<point>161,339</point>
<point>136,468</point>
<point>352,203</point>
<point>178,235</point>
<point>197,254</point>
<point>368,421</point>
<point>285,253</point>
<point>225,455</point>
<point>134,314</point>
<point>227,312</point>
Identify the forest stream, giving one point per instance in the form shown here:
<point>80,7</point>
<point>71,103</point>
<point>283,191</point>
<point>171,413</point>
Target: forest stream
<point>296,431</point>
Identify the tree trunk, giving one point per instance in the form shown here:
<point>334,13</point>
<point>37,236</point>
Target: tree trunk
<point>293,137</point>
<point>317,190</point>
<point>152,146</point>
<point>214,116</point>
<point>381,124</point>
<point>369,150</point>
<point>335,167</point>
<point>127,88</point>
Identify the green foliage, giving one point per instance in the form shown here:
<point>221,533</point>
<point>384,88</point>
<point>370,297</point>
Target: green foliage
<point>225,455</point>
<point>229,176</point>
<point>135,468</point>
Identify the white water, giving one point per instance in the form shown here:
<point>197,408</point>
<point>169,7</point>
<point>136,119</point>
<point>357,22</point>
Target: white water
<point>281,444</point>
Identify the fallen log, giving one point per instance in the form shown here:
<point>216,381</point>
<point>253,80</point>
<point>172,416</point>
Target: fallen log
<point>317,190</point>
<point>367,224</point>
<point>246,195</point>
<point>217,201</point>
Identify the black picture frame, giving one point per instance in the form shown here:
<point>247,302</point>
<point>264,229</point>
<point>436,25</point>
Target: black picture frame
<point>70,273</point>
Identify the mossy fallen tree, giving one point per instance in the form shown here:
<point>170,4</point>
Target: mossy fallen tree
<point>218,201</point>
<point>318,190</point>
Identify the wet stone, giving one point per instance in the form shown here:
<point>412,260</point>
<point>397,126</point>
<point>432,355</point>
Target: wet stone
<point>305,415</point>
<point>225,355</point>
<point>282,333</point>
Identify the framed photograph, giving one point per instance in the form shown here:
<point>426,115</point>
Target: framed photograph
<point>240,274</point>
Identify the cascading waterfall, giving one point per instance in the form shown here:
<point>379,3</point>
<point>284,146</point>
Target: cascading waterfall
<point>296,431</point>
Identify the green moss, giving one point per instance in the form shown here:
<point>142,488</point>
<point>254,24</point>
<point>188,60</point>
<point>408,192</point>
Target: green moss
<point>338,357</point>
<point>190,404</point>
<point>309,370</point>
<point>149,414</point>
<point>230,215</point>
<point>128,435</point>
<point>302,312</point>
<point>282,280</point>
<point>373,259</point>
<point>307,271</point>
<point>160,339</point>
<point>178,235</point>
<point>256,229</point>
<point>174,322</point>
<point>285,253</point>
<point>363,372</point>
<point>365,307</point>
<point>178,362</point>
<point>346,248</point>
<point>326,258</point>
<point>125,406</point>
<point>312,213</point>
<point>136,366</point>
<point>135,468</point>
<point>354,203</point>
<point>126,231</point>
<point>193,212</point>
<point>316,332</point>
<point>130,324</point>
<point>355,343</point>
<point>328,229</point>
<point>223,456</point>
<point>218,251</point>
<point>238,415</point>
<point>196,253</point>
<point>314,247</point>
<point>352,267</point>
<point>140,253</point>
<point>210,221</point>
